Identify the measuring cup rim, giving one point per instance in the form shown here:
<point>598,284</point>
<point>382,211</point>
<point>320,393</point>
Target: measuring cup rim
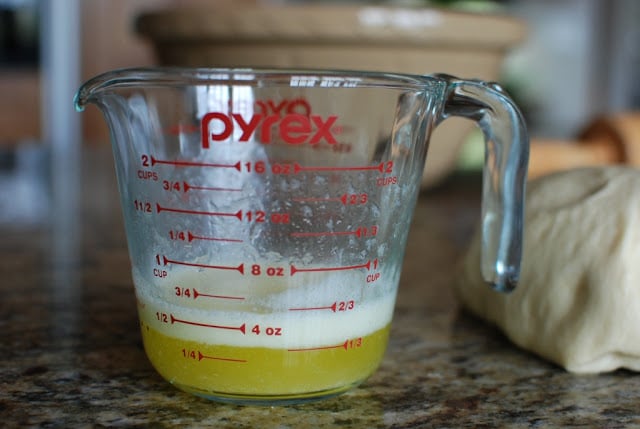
<point>181,76</point>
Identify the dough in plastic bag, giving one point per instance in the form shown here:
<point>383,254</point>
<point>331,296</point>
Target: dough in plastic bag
<point>578,299</point>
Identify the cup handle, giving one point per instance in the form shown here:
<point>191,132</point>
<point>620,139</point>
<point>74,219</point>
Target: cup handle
<point>505,174</point>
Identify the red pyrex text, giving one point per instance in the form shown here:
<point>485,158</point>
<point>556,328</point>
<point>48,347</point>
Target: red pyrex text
<point>292,128</point>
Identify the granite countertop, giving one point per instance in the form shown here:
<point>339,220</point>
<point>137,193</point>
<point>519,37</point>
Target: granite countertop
<point>71,353</point>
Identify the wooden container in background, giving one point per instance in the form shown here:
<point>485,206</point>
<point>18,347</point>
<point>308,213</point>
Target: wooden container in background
<point>417,40</point>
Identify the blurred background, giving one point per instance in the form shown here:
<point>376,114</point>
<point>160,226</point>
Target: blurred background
<point>565,62</point>
<point>577,60</point>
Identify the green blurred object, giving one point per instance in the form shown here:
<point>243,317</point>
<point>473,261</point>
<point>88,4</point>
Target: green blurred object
<point>475,6</point>
<point>471,155</point>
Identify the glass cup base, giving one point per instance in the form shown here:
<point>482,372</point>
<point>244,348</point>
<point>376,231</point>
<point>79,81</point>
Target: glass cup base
<point>268,400</point>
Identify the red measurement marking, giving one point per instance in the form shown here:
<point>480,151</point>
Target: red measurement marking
<point>357,233</point>
<point>344,345</point>
<point>201,356</point>
<point>188,187</point>
<point>348,267</point>
<point>192,237</point>
<point>344,199</point>
<point>159,209</point>
<point>196,294</point>
<point>331,307</point>
<point>297,168</point>
<point>240,328</point>
<point>155,161</point>
<point>167,261</point>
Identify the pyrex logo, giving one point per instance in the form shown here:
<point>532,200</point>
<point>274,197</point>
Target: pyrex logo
<point>281,120</point>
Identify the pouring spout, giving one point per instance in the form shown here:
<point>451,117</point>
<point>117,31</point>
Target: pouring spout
<point>90,91</point>
<point>93,90</point>
<point>86,94</point>
<point>79,102</point>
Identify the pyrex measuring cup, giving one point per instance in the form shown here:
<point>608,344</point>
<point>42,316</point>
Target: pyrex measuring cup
<point>267,212</point>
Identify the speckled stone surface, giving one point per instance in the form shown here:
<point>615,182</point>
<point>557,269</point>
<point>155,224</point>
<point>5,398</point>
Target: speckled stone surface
<point>71,354</point>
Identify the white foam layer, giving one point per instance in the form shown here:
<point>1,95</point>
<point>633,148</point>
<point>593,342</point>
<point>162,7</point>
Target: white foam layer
<point>339,320</point>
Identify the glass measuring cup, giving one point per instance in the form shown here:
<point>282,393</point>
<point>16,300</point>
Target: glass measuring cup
<point>267,212</point>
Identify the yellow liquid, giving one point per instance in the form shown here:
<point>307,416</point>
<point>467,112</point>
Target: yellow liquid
<point>223,371</point>
<point>288,341</point>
